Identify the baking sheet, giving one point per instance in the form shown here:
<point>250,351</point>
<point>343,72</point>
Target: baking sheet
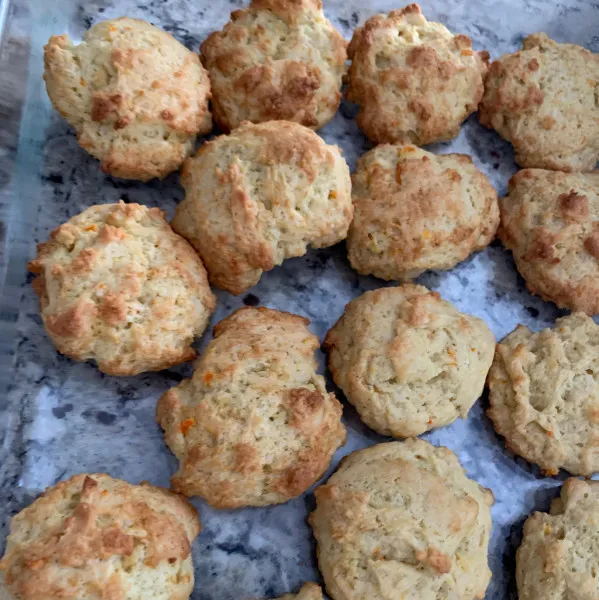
<point>58,417</point>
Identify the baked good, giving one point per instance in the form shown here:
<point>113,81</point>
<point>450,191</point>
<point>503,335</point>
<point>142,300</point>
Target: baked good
<point>542,99</point>
<point>100,538</point>
<point>401,520</point>
<point>261,195</point>
<point>408,360</point>
<point>415,81</point>
<point>414,211</point>
<point>559,554</point>
<point>136,97</point>
<point>544,394</point>
<point>119,287</point>
<point>550,222</point>
<point>308,591</point>
<point>276,60</point>
<point>255,425</point>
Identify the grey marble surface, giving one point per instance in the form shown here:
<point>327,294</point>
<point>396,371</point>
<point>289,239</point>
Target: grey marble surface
<point>58,417</point>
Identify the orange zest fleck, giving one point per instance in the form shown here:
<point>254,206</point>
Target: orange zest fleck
<point>208,377</point>
<point>426,234</point>
<point>187,425</point>
<point>332,194</point>
<point>82,82</point>
<point>550,433</point>
<point>91,228</point>
<point>467,52</point>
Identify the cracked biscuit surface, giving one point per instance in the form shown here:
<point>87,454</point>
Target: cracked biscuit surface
<point>260,195</point>
<point>254,425</point>
<point>559,554</point>
<point>544,99</point>
<point>119,287</point>
<point>100,538</point>
<point>414,211</point>
<point>401,520</point>
<point>414,81</point>
<point>550,222</point>
<point>408,360</point>
<point>136,97</point>
<point>544,394</point>
<point>276,60</point>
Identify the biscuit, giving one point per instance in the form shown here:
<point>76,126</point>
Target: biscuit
<point>276,60</point>
<point>550,222</point>
<point>544,394</point>
<point>260,195</point>
<point>414,81</point>
<point>401,520</point>
<point>96,537</point>
<point>543,99</point>
<point>558,555</point>
<point>119,287</point>
<point>415,211</point>
<point>255,425</point>
<point>309,591</point>
<point>136,97</point>
<point>408,360</point>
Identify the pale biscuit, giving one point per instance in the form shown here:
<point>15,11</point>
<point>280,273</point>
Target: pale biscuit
<point>276,60</point>
<point>408,360</point>
<point>119,287</point>
<point>414,211</point>
<point>136,97</point>
<point>544,394</point>
<point>401,520</point>
<point>415,81</point>
<point>260,195</point>
<point>559,554</point>
<point>96,537</point>
<point>309,591</point>
<point>544,100</point>
<point>255,425</point>
<point>550,222</point>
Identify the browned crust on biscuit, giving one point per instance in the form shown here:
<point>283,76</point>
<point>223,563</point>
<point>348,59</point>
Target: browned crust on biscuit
<point>257,78</point>
<point>90,520</point>
<point>255,426</point>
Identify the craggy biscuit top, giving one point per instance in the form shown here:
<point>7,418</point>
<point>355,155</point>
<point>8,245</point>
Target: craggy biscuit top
<point>118,286</point>
<point>262,194</point>
<point>543,99</point>
<point>550,221</point>
<point>309,591</point>
<point>136,97</point>
<point>255,425</point>
<point>414,211</point>
<point>100,538</point>
<point>402,520</point>
<point>414,80</point>
<point>276,59</point>
<point>408,360</point>
<point>558,555</point>
<point>544,394</point>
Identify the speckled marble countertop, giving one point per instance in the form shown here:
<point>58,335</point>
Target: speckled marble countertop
<point>58,417</point>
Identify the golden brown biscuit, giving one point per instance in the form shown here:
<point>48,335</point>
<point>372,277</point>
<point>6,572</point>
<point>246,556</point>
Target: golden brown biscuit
<point>415,211</point>
<point>276,60</point>
<point>401,520</point>
<point>100,538</point>
<point>119,287</point>
<point>408,360</point>
<point>559,554</point>
<point>136,97</point>
<point>309,591</point>
<point>255,425</point>
<point>260,195</point>
<point>414,80</point>
<point>550,222</point>
<point>543,99</point>
<point>544,394</point>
